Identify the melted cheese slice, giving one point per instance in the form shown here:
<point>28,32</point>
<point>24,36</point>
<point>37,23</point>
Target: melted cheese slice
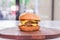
<point>34,24</point>
<point>23,22</point>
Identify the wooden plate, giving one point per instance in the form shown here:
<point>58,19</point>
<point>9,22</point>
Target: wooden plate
<point>43,33</point>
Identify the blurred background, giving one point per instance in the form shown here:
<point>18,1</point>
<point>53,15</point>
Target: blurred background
<point>7,9</point>
<point>46,9</point>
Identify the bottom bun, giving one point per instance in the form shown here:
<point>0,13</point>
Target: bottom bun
<point>32,28</point>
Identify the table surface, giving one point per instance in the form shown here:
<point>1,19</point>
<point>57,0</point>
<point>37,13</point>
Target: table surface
<point>47,24</point>
<point>14,32</point>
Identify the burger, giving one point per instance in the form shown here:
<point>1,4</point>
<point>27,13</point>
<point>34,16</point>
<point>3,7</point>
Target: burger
<point>29,22</point>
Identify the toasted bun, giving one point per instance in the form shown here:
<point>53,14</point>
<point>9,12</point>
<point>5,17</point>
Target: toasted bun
<point>29,16</point>
<point>25,28</point>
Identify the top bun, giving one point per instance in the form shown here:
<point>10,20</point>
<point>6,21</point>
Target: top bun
<point>29,16</point>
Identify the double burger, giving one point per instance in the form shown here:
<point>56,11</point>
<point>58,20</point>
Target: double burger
<point>29,22</point>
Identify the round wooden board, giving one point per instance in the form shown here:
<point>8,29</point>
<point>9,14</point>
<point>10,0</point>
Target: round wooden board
<point>43,33</point>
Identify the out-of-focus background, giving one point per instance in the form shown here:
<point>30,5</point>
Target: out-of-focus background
<point>47,9</point>
<point>7,9</point>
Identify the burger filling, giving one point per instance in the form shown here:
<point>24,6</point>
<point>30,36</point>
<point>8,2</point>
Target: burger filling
<point>29,23</point>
